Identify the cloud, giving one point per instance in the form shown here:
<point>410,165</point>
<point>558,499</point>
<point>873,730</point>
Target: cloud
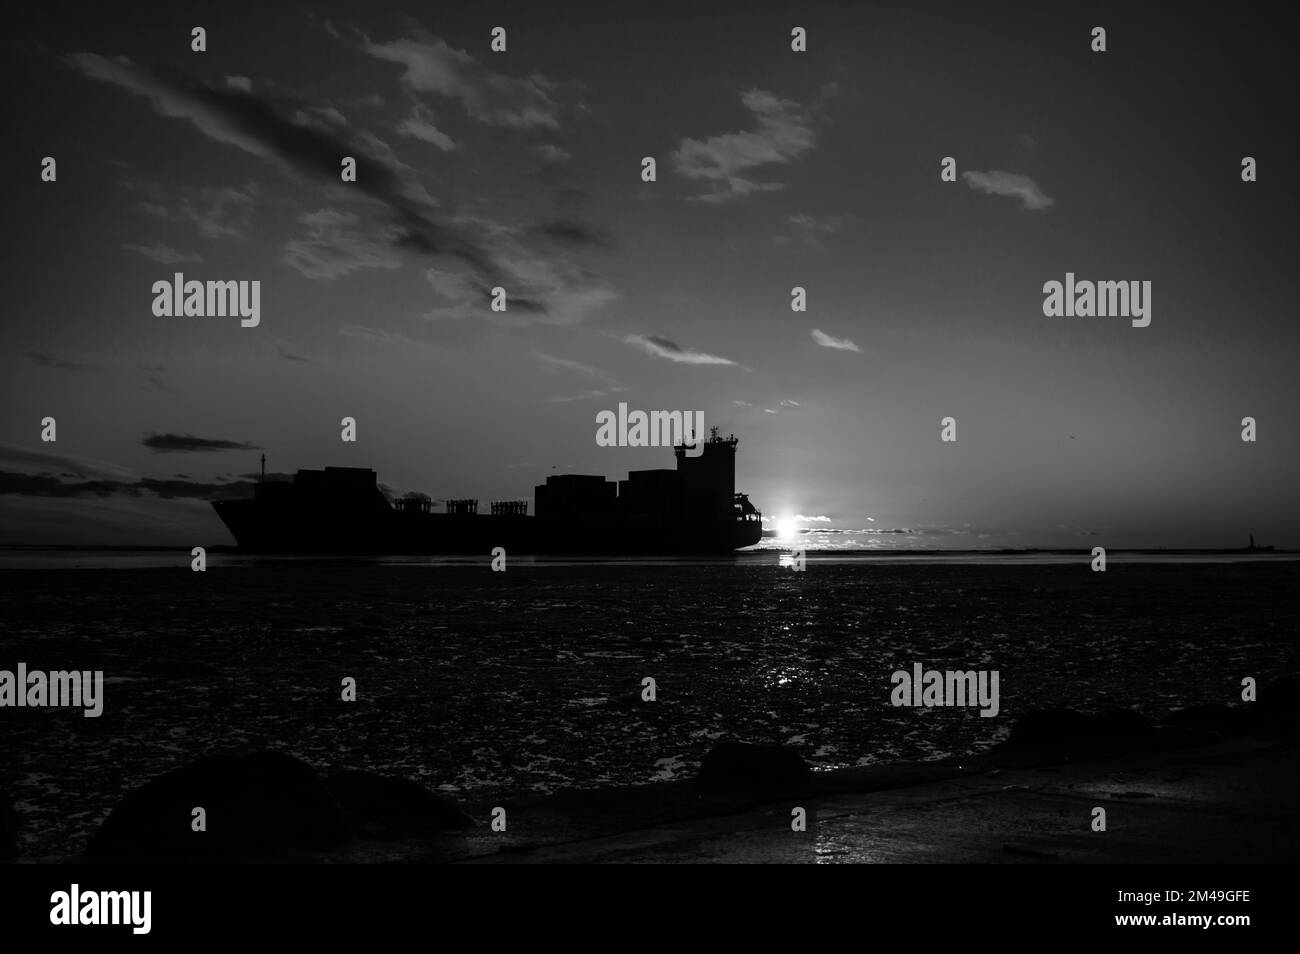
<point>789,403</point>
<point>809,230</point>
<point>551,363</point>
<point>380,336</point>
<point>742,403</point>
<point>431,66</point>
<point>201,107</point>
<point>420,126</point>
<point>585,395</point>
<point>62,364</point>
<point>839,344</point>
<point>783,135</point>
<point>217,213</point>
<point>184,443</point>
<point>49,485</point>
<point>362,331</point>
<point>162,254</point>
<point>287,351</point>
<point>552,153</point>
<point>572,232</point>
<point>337,243</point>
<point>824,224</point>
<point>241,83</point>
<point>64,463</point>
<point>306,141</point>
<point>1009,183</point>
<point>658,347</point>
<point>820,518</point>
<point>551,289</point>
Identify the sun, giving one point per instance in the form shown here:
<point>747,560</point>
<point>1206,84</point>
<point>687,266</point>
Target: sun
<point>786,527</point>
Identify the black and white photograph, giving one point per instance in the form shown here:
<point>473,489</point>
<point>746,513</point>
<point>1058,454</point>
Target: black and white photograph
<point>547,433</point>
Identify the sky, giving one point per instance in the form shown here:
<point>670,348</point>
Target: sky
<point>774,169</point>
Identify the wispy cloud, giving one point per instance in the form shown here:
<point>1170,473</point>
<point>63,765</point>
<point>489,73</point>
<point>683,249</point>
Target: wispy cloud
<point>553,364</point>
<point>381,336</point>
<point>1012,184</point>
<point>217,213</point>
<point>584,395</point>
<point>553,288</point>
<point>571,232</point>
<point>552,153</point>
<point>64,463</point>
<point>185,443</point>
<point>823,224</point>
<point>725,161</point>
<point>810,230</point>
<point>162,254</point>
<point>49,485</point>
<point>420,126</point>
<point>544,286</point>
<point>287,351</point>
<point>431,66</point>
<point>658,347</point>
<point>550,362</point>
<point>62,364</point>
<point>337,243</point>
<point>839,344</point>
<point>301,140</point>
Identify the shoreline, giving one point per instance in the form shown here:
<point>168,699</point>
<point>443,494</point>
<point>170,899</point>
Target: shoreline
<point>1219,785</point>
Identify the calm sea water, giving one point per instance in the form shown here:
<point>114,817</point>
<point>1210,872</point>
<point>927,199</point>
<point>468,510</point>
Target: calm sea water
<point>479,683</point>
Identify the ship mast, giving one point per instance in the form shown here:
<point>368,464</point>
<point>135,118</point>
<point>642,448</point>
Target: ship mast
<point>262,479</point>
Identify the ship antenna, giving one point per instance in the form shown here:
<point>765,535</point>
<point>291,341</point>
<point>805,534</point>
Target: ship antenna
<point>263,480</point>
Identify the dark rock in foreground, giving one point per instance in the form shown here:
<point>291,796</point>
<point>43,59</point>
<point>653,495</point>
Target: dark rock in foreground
<point>1049,727</point>
<point>1220,719</point>
<point>264,801</point>
<point>1067,730</point>
<point>1279,699</point>
<point>1121,725</point>
<point>731,764</point>
<point>381,805</point>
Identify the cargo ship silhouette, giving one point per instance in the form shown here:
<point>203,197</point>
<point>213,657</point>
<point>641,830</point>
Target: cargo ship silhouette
<point>341,510</point>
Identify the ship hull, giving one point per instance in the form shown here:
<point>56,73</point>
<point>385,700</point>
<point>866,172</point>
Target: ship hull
<point>258,528</point>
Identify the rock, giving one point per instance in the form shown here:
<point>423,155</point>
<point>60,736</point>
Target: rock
<point>264,801</point>
<point>1280,697</point>
<point>1224,720</point>
<point>1120,725</point>
<point>393,805</point>
<point>1050,728</point>
<point>731,764</point>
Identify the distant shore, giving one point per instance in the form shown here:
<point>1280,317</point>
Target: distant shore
<point>42,557</point>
